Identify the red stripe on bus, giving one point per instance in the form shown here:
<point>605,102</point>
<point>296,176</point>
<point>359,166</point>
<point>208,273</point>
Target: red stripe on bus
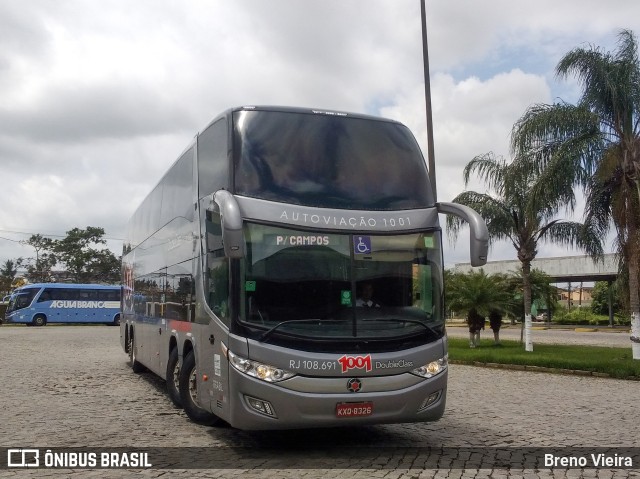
<point>181,326</point>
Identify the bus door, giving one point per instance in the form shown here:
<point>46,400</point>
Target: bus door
<point>213,315</point>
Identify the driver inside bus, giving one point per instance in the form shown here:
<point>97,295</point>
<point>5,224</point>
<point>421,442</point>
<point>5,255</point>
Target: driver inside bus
<point>366,297</point>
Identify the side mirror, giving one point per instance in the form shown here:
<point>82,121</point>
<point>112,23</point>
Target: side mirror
<point>231,221</point>
<point>479,238</point>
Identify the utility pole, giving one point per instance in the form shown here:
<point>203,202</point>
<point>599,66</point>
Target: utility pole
<point>427,93</point>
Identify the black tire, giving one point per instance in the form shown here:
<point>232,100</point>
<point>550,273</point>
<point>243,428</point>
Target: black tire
<point>116,320</point>
<point>39,320</point>
<point>173,378</point>
<point>188,394</point>
<point>135,365</point>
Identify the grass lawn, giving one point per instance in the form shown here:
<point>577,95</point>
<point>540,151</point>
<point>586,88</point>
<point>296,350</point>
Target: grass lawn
<point>614,362</point>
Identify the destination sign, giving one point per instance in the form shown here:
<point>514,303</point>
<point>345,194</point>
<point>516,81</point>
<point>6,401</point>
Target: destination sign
<point>302,240</point>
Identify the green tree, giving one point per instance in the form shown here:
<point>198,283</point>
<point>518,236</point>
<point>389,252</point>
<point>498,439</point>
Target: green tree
<point>596,144</point>
<point>600,298</point>
<point>104,267</point>
<point>39,269</point>
<point>79,254</point>
<point>478,294</point>
<point>8,273</point>
<point>522,209</point>
<point>82,261</point>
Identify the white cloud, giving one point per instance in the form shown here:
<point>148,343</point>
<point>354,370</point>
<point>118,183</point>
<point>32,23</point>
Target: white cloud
<point>470,117</point>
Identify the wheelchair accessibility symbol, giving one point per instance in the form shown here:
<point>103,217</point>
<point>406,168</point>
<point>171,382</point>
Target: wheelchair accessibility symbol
<point>362,245</point>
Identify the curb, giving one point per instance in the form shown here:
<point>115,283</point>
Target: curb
<point>540,369</point>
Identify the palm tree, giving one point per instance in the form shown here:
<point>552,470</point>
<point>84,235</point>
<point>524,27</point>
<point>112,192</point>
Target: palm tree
<point>596,144</point>
<point>516,214</point>
<point>541,289</point>
<point>478,294</point>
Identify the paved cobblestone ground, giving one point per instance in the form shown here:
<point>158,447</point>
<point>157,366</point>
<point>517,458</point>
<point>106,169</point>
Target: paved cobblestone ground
<point>71,387</point>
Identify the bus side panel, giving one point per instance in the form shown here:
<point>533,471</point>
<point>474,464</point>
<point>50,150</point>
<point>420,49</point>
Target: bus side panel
<point>151,335</point>
<point>76,315</point>
<point>124,325</point>
<point>68,315</point>
<point>213,394</point>
<point>19,317</point>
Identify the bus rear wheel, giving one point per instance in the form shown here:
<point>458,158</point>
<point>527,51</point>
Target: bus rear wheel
<point>39,320</point>
<point>173,377</point>
<point>135,365</point>
<point>189,394</point>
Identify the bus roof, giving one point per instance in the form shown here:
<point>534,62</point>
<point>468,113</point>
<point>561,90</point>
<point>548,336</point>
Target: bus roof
<point>68,286</point>
<point>291,109</point>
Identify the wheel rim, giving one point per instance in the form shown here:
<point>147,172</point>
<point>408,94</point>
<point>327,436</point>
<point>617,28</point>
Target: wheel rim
<point>193,386</point>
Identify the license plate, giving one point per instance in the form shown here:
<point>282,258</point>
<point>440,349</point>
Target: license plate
<point>354,409</point>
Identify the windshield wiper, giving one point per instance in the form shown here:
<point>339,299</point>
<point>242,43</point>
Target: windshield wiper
<point>302,321</point>
<point>395,320</point>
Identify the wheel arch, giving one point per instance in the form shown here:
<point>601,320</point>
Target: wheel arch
<point>187,347</point>
<point>173,343</point>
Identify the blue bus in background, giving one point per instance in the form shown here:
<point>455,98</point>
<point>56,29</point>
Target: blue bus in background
<point>39,304</point>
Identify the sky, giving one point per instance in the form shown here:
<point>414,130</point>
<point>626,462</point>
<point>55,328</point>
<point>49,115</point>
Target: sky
<point>98,99</point>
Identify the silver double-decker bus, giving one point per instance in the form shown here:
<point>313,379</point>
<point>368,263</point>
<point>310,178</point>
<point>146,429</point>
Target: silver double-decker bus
<point>287,272</point>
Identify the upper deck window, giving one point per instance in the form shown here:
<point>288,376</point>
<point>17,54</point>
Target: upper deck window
<point>328,161</point>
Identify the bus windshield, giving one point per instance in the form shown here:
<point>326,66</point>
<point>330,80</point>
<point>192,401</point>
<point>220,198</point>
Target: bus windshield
<point>21,299</point>
<point>323,286</point>
<point>328,161</point>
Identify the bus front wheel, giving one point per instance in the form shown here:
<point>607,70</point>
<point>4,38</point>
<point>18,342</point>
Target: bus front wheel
<point>39,320</point>
<point>189,394</point>
<point>173,377</point>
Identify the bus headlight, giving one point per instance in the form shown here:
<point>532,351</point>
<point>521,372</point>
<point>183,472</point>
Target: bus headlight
<point>258,370</point>
<point>433,368</point>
